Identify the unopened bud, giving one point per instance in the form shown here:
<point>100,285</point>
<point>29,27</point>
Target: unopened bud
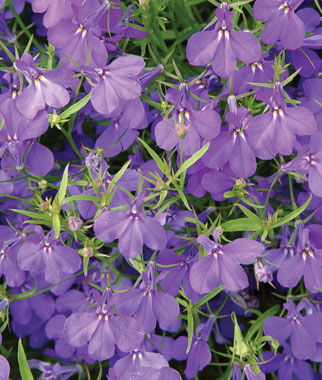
<point>42,184</point>
<point>44,206</point>
<point>240,182</point>
<point>74,223</point>
<point>159,185</point>
<point>180,129</point>
<point>87,252</point>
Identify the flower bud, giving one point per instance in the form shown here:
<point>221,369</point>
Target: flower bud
<point>74,223</point>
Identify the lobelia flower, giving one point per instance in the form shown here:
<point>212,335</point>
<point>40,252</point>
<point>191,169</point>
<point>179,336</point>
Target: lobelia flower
<point>187,126</point>
<point>309,163</point>
<point>221,266</point>
<point>55,10</point>
<point>142,364</point>
<point>304,331</point>
<point>132,227</point>
<point>79,36</point>
<point>45,87</point>
<point>27,157</point>
<point>16,128</point>
<point>115,84</point>
<point>4,365</point>
<point>306,262</point>
<point>275,131</point>
<point>286,365</point>
<point>102,329</point>
<point>305,57</point>
<point>42,252</point>
<point>223,45</point>
<point>282,22</point>
<point>9,243</point>
<point>232,146</point>
<point>199,355</point>
<point>54,371</point>
<point>149,304</point>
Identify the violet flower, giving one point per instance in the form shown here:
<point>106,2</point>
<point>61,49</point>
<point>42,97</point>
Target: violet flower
<point>102,329</point>
<point>149,304</point>
<point>199,355</point>
<point>223,45</point>
<point>282,22</point>
<point>79,37</point>
<point>232,146</point>
<point>221,266</point>
<point>132,227</point>
<point>275,131</point>
<point>44,87</point>
<point>42,252</point>
<point>54,371</point>
<point>304,331</point>
<point>115,84</point>
<point>306,262</point>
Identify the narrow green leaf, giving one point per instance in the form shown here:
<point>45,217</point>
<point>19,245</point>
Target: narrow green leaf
<point>291,215</point>
<point>190,328</point>
<point>153,154</point>
<point>250,214</point>
<point>76,106</point>
<point>257,325</point>
<point>24,368</point>
<point>291,77</point>
<point>63,186</point>
<point>90,198</point>
<point>25,295</point>
<point>209,296</point>
<point>31,214</point>
<point>195,157</point>
<point>241,224</point>
<point>56,225</point>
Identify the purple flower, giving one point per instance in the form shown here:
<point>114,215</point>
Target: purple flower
<point>306,262</point>
<point>232,146</point>
<point>187,125</point>
<point>55,10</point>
<point>4,368</point>
<point>79,36</point>
<point>149,304</point>
<point>304,331</point>
<point>54,371</point>
<point>199,355</point>
<point>282,22</point>
<point>43,87</point>
<point>115,84</point>
<point>223,45</point>
<point>275,131</point>
<point>42,252</point>
<point>16,128</point>
<point>221,266</point>
<point>102,329</point>
<point>132,227</point>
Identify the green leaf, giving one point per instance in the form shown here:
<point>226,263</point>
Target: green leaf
<point>241,224</point>
<point>195,157</point>
<point>190,328</point>
<point>291,215</point>
<point>250,214</point>
<point>257,325</point>
<point>56,225</point>
<point>24,368</point>
<point>63,186</point>
<point>31,214</point>
<point>209,296</point>
<point>76,106</point>
<point>153,154</point>
<point>291,77</point>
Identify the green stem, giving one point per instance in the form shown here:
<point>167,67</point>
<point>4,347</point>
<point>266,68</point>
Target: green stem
<point>24,28</point>
<point>69,137</point>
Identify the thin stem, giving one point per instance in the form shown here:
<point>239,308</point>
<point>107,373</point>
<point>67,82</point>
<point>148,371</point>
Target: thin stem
<point>24,28</point>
